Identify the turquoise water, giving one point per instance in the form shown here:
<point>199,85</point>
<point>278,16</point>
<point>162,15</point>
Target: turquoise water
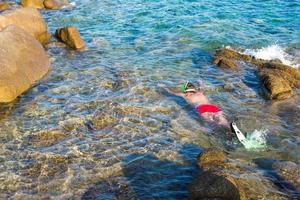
<point>114,132</point>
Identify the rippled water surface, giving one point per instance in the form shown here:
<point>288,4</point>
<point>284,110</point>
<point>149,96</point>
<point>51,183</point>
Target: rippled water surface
<point>100,124</point>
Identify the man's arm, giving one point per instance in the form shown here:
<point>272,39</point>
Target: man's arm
<point>172,91</point>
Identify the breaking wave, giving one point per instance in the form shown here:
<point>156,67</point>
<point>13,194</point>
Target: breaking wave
<point>273,52</point>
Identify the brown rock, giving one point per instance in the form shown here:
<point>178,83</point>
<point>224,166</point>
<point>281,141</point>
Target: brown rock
<point>29,19</point>
<point>289,171</point>
<point>23,62</point>
<point>227,63</point>
<point>45,138</point>
<point>275,87</point>
<point>285,68</point>
<point>55,4</point>
<point>70,36</point>
<point>231,54</point>
<point>211,157</point>
<point>33,3</point>
<point>4,6</point>
<point>209,185</point>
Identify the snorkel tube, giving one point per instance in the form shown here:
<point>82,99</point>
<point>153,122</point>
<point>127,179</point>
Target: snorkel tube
<point>184,87</point>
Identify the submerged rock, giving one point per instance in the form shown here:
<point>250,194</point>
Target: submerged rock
<point>30,20</point>
<point>213,186</point>
<point>20,68</point>
<point>289,171</point>
<point>39,4</point>
<point>224,179</point>
<point>70,36</point>
<point>45,138</point>
<point>55,4</point>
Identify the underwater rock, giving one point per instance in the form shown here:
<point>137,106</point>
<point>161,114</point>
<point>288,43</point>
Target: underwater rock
<point>225,179</point>
<point>45,166</point>
<point>30,20</point>
<point>289,171</point>
<point>70,36</point>
<point>210,185</point>
<point>55,4</point>
<point>45,138</point>
<point>4,6</point>
<point>211,156</point>
<point>33,3</point>
<point>20,68</point>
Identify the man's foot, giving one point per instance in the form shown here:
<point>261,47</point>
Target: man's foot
<point>241,137</point>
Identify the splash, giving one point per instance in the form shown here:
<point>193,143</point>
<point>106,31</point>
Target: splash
<point>256,140</point>
<point>273,52</point>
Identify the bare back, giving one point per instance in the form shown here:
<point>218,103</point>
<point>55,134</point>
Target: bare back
<point>196,98</point>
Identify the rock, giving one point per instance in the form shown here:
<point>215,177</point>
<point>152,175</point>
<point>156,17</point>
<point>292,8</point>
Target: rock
<point>4,6</point>
<point>230,54</point>
<point>277,79</point>
<point>30,20</point>
<point>210,157</point>
<point>45,138</point>
<point>223,178</point>
<point>213,186</point>
<point>289,171</point>
<point>23,62</point>
<point>275,87</point>
<point>295,73</point>
<point>227,63</point>
<point>70,36</point>
<point>55,4</point>
<point>39,4</point>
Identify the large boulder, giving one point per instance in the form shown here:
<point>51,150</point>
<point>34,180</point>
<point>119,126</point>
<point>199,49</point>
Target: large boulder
<point>23,61</point>
<point>29,19</point>
<point>70,36</point>
<point>39,4</point>
<point>55,4</point>
<point>274,85</point>
<point>222,178</point>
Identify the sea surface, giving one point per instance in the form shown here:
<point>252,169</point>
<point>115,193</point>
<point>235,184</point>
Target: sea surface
<point>101,126</point>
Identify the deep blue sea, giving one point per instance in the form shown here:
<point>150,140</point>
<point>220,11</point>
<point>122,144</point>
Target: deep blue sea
<point>101,126</point>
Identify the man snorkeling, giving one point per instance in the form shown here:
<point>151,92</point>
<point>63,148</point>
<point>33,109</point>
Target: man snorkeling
<point>211,113</point>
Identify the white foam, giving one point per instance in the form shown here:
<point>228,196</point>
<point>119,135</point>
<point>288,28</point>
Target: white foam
<point>273,52</point>
<point>256,140</point>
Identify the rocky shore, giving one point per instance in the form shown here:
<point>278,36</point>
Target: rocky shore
<point>222,179</point>
<point>24,62</point>
<point>23,35</point>
<point>278,80</point>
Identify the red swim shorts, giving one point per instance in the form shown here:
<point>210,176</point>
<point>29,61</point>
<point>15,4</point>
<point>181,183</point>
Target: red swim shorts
<point>207,108</point>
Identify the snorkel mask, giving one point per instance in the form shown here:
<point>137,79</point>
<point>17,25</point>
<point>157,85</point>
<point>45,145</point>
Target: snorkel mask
<point>184,88</point>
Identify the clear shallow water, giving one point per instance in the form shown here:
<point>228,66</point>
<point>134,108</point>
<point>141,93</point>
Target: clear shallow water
<point>99,125</point>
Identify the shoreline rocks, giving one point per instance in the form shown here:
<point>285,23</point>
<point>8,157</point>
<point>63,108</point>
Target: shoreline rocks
<point>221,178</point>
<point>277,79</point>
<point>20,68</point>
<point>30,20</point>
<point>70,36</point>
<point>45,4</point>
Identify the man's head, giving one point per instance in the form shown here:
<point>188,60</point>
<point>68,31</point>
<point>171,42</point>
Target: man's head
<point>188,87</point>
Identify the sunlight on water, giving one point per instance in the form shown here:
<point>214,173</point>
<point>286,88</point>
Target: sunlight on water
<point>101,126</point>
